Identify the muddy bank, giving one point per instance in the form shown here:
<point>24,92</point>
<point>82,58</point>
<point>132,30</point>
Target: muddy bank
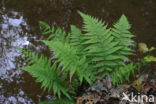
<point>19,27</point>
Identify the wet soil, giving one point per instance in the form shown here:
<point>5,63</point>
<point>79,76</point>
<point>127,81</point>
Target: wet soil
<point>19,27</point>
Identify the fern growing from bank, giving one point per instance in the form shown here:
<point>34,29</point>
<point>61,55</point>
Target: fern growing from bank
<point>82,54</point>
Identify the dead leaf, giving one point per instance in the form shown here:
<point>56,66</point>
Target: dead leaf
<point>142,47</point>
<point>94,97</point>
<point>138,84</point>
<point>79,100</point>
<point>89,102</point>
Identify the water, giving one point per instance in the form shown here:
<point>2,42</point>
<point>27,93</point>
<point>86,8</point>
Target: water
<point>19,27</point>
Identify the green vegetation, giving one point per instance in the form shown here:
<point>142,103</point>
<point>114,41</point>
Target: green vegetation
<point>83,55</point>
<point>142,47</point>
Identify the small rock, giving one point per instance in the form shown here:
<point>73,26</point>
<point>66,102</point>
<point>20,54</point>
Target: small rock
<point>12,100</point>
<point>123,102</point>
<point>115,93</point>
<point>109,82</point>
<point>21,93</point>
<point>98,87</point>
<point>122,88</point>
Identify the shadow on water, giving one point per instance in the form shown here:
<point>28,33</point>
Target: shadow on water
<point>19,27</point>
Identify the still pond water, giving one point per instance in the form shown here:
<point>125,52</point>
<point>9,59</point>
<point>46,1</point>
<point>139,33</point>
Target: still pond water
<point>19,27</point>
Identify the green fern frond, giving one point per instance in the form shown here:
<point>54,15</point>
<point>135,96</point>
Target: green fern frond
<point>48,75</point>
<point>101,44</point>
<point>55,34</point>
<point>123,73</point>
<point>68,57</point>
<point>46,28</point>
<point>76,39</point>
<point>88,22</point>
<point>123,36</point>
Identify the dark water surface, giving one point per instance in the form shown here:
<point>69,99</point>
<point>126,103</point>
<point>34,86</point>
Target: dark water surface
<point>19,27</point>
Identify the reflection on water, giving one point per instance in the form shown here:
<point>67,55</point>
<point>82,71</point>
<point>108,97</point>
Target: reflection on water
<point>12,33</point>
<point>10,36</point>
<point>19,27</point>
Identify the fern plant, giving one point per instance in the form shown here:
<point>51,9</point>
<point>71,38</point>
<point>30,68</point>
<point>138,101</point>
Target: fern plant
<point>40,67</point>
<point>123,73</point>
<point>105,49</point>
<point>82,54</point>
